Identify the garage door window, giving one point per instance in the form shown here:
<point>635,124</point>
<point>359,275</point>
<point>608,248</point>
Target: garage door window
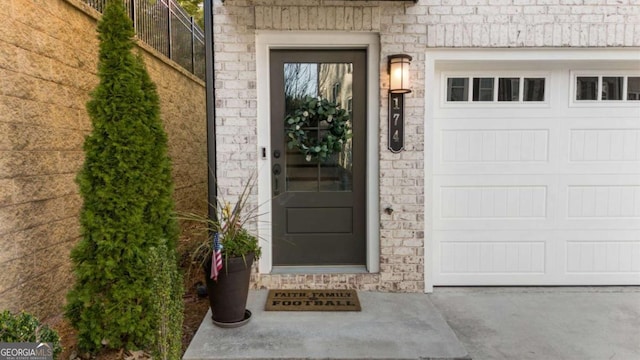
<point>492,89</point>
<point>595,88</point>
<point>457,89</point>
<point>533,89</point>
<point>508,89</point>
<point>482,89</point>
<point>633,88</point>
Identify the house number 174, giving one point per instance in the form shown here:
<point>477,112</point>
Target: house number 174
<point>396,122</point>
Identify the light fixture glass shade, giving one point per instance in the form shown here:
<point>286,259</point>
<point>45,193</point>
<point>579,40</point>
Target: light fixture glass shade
<point>399,82</point>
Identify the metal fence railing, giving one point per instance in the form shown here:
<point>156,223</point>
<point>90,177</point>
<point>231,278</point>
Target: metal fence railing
<point>166,27</point>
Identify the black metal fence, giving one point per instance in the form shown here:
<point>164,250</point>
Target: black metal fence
<point>166,27</point>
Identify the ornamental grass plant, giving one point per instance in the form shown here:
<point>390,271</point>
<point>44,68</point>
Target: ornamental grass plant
<point>230,224</point>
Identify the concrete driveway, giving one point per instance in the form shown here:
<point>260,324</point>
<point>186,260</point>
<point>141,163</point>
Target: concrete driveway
<point>518,323</point>
<point>544,322</point>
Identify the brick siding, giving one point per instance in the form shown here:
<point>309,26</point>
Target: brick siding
<point>404,27</point>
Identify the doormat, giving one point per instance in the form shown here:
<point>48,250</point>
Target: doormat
<point>312,300</point>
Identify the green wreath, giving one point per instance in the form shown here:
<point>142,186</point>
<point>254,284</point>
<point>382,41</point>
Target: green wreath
<point>310,113</point>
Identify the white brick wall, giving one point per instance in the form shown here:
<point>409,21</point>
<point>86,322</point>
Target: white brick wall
<point>404,27</point>
<point>517,23</point>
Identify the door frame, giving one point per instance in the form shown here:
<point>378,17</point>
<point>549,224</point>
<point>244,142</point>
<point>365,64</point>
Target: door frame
<point>268,40</point>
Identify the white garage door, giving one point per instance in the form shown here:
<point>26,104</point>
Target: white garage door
<point>535,173</point>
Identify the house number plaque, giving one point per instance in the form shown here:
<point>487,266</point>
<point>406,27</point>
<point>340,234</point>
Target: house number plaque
<point>396,122</point>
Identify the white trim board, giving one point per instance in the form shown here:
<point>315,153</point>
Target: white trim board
<point>267,40</point>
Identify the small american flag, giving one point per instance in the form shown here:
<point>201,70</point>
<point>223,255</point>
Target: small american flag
<point>216,257</point>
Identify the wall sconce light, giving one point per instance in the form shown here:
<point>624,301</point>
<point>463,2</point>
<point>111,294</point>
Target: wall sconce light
<point>399,74</point>
<point>398,86</point>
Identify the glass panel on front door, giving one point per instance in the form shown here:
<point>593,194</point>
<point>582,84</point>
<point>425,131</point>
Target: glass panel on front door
<point>311,82</point>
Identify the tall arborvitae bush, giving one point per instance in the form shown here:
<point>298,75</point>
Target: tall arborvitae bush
<point>127,218</point>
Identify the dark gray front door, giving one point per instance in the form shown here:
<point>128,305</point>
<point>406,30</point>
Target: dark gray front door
<point>318,209</point>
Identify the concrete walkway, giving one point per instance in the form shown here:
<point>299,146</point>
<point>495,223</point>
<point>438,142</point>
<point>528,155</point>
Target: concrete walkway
<point>518,323</point>
<point>563,323</point>
<point>390,326</point>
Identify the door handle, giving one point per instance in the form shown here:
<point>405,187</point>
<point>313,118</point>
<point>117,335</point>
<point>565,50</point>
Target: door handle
<point>277,170</point>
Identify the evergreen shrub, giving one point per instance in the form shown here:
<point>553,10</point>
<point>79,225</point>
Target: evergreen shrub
<point>167,285</point>
<point>127,216</point>
<point>24,327</point>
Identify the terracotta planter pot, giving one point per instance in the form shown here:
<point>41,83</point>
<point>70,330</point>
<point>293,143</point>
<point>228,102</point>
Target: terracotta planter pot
<point>228,295</point>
